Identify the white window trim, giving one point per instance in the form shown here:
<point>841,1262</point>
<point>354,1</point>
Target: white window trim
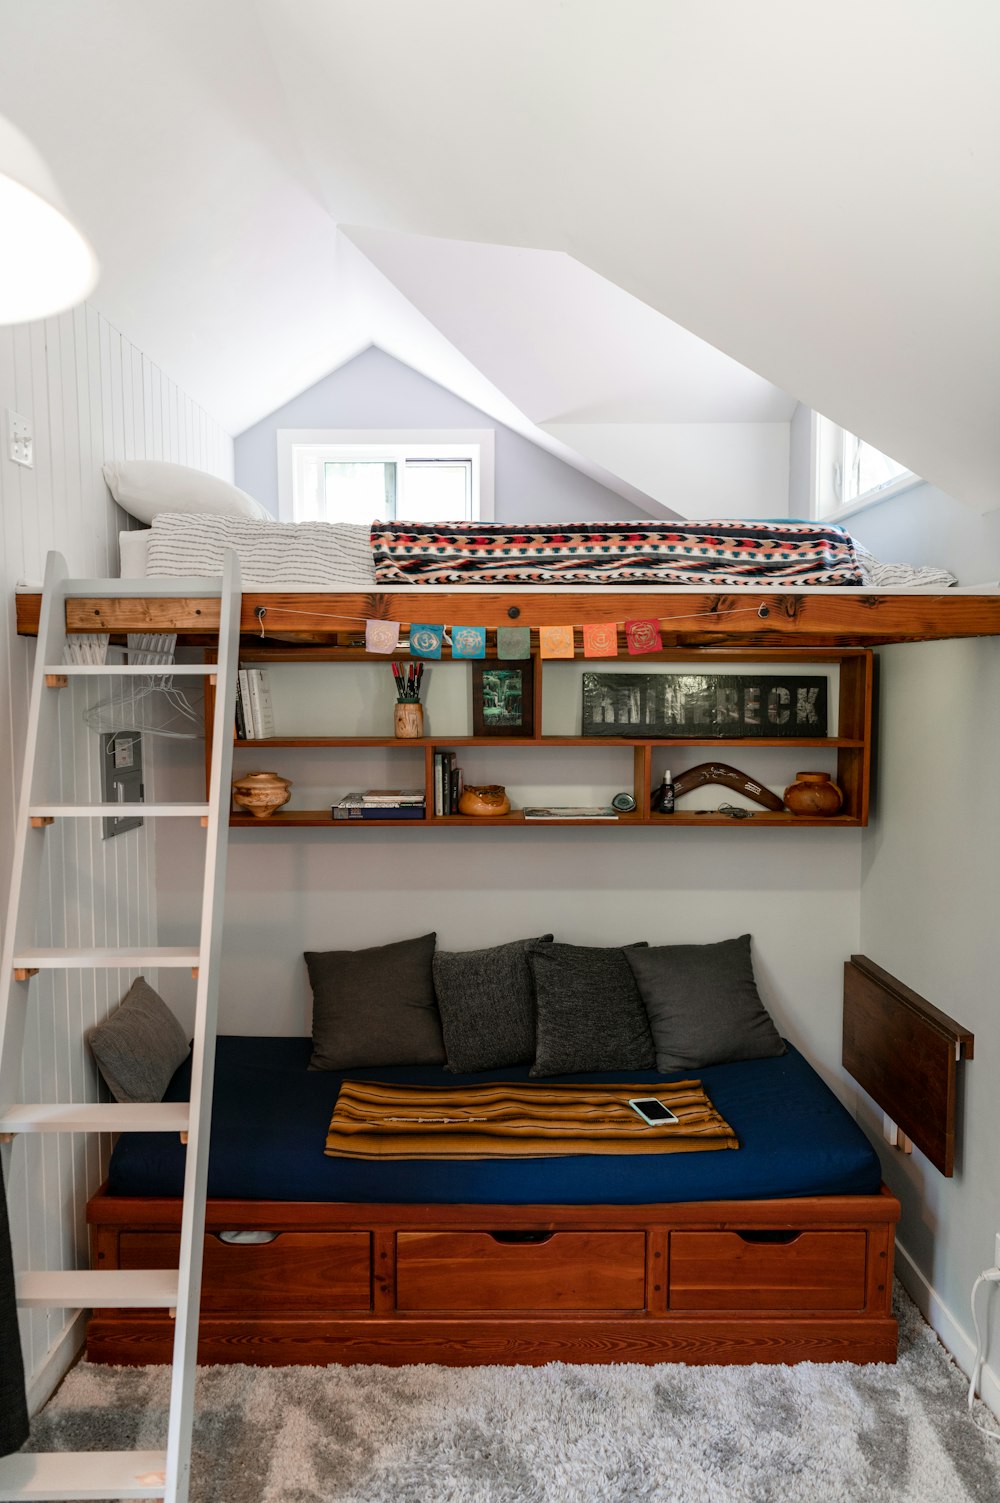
<point>895,487</point>
<point>288,438</point>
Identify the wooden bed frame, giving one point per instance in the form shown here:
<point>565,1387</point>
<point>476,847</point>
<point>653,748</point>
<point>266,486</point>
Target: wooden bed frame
<point>713,1282</point>
<point>765,617</point>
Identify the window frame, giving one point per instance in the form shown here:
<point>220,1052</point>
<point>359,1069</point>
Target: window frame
<point>476,444</point>
<point>825,435</point>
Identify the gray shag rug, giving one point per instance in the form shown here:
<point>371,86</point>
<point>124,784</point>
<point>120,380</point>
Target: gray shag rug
<point>557,1434</point>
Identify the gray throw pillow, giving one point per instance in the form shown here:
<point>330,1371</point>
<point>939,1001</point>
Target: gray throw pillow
<point>487,1003</point>
<point>139,1046</point>
<point>703,1004</point>
<point>375,1007</point>
<point>590,1014</point>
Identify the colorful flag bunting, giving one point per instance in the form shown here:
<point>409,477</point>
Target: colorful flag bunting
<point>513,643</point>
<point>425,640</point>
<point>601,641</point>
<point>643,636</point>
<point>381,636</point>
<point>555,641</point>
<point>468,641</point>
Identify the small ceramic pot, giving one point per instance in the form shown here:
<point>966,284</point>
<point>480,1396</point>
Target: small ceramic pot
<point>408,720</point>
<point>488,799</point>
<point>813,793</point>
<point>260,793</point>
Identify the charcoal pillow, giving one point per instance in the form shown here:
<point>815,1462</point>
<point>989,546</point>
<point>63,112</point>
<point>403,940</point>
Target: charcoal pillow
<point>139,1046</point>
<point>487,1003</point>
<point>375,1007</point>
<point>703,1004</point>
<point>590,1014</point>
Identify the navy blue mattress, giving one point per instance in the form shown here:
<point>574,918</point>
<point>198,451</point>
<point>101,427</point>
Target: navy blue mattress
<point>271,1116</point>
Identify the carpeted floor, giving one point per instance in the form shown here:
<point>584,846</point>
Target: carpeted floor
<point>557,1434</point>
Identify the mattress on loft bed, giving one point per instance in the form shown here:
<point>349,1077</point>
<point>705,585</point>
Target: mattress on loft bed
<point>271,1117</point>
<point>305,557</point>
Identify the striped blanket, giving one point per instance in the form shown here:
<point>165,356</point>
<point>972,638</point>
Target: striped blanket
<point>501,1120</point>
<point>720,554</point>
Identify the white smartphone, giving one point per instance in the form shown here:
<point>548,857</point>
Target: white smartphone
<point>652,1111</point>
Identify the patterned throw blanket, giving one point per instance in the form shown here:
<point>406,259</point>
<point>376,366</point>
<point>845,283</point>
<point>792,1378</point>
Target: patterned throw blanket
<point>720,554</point>
<point>501,1120</point>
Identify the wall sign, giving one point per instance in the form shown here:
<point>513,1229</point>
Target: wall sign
<point>704,705</point>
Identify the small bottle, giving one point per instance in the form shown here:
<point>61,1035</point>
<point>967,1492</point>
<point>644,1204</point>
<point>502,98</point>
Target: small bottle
<point>667,794</point>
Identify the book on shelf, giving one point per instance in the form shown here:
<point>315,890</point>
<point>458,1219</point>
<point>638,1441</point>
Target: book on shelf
<point>393,796</point>
<point>571,811</point>
<point>261,706</point>
<point>439,782</point>
<point>353,806</point>
<point>243,693</point>
<point>241,722</point>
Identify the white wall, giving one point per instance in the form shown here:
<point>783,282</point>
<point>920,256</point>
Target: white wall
<point>702,470</point>
<point>91,396</point>
<point>930,894</point>
<point>376,391</point>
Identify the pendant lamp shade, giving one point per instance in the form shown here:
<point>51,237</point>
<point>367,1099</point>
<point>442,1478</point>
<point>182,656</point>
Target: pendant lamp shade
<point>46,264</point>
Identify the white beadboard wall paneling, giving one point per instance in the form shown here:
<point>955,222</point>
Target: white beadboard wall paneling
<point>91,396</point>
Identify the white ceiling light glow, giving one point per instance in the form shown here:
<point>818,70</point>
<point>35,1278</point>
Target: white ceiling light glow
<point>46,264</point>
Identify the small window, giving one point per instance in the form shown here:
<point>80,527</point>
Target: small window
<point>849,474</point>
<point>366,476</point>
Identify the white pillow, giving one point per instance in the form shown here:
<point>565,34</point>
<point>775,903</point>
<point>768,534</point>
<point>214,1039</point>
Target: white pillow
<point>145,487</point>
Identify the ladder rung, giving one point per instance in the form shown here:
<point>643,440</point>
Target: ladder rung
<point>105,1116</point>
<point>133,670</point>
<point>60,1475</point>
<point>112,811</point>
<point>122,958</point>
<point>85,1289</point>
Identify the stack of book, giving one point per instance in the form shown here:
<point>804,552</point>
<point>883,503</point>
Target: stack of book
<point>382,803</point>
<point>448,783</point>
<point>254,712</point>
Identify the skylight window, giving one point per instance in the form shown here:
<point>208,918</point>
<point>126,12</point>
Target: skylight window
<point>849,474</point>
<point>363,476</point>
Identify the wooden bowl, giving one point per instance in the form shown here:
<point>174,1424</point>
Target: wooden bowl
<point>260,793</point>
<point>488,799</point>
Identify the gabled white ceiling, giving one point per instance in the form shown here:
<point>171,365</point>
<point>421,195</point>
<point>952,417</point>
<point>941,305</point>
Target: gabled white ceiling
<point>812,190</point>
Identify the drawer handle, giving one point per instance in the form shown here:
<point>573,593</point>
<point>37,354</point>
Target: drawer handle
<point>247,1238</point>
<point>530,1238</point>
<point>777,1237</point>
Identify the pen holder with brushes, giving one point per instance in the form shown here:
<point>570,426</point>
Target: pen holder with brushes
<point>408,719</point>
<point>408,712</point>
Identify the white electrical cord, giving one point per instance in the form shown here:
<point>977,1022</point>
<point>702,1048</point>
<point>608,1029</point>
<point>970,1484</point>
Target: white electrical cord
<point>988,1276</point>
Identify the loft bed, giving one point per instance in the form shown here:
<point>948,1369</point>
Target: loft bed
<point>713,584</point>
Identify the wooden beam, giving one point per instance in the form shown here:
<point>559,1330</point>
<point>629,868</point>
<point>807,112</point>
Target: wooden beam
<point>704,618</point>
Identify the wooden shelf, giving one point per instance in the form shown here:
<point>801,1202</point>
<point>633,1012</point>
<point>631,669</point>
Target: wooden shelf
<point>850,749</point>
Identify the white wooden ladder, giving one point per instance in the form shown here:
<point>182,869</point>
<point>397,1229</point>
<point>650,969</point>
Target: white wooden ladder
<point>118,1474</point>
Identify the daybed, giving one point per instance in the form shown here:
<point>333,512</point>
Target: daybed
<point>781,1251</point>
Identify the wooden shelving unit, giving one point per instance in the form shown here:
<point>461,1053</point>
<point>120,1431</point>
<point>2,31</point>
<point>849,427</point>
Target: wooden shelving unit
<point>852,744</point>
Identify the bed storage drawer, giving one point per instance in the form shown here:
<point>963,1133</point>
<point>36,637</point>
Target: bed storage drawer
<point>767,1270</point>
<point>297,1271</point>
<point>520,1270</point>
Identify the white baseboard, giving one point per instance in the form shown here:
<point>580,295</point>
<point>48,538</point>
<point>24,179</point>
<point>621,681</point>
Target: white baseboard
<point>57,1363</point>
<point>940,1319</point>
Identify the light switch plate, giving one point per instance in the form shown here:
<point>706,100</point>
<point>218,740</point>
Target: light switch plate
<point>20,439</point>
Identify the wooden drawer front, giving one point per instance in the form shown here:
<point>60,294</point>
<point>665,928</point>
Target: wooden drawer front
<point>488,1271</point>
<point>297,1271</point>
<point>752,1271</point>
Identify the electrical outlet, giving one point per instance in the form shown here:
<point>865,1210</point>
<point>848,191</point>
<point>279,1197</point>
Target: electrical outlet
<point>20,439</point>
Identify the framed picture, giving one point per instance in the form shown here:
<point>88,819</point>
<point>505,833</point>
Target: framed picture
<point>503,700</point>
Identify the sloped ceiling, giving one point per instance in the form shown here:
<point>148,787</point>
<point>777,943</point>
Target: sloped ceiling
<point>810,189</point>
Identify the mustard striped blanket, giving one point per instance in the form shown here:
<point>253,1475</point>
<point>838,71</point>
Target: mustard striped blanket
<point>503,1120</point>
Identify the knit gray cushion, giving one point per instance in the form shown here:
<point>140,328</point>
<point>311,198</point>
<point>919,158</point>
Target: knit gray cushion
<point>375,1007</point>
<point>139,1046</point>
<point>590,1014</point>
<point>487,1003</point>
<point>703,1004</point>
